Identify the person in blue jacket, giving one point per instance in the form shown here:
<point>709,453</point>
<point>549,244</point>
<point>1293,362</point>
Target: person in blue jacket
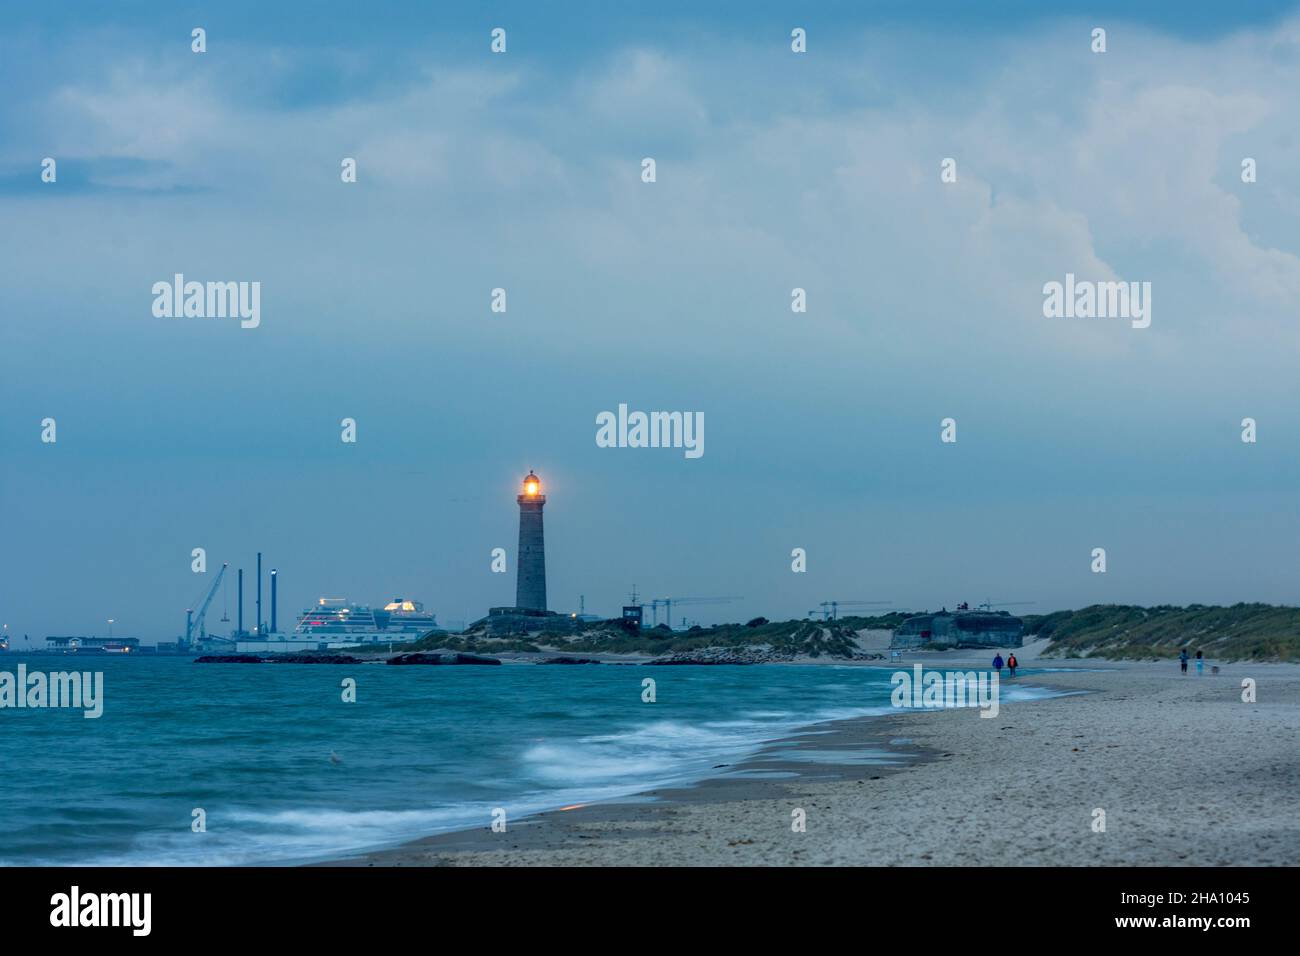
<point>1182,660</point>
<point>997,663</point>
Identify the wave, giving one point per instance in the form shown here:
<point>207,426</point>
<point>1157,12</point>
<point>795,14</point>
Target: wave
<point>538,775</point>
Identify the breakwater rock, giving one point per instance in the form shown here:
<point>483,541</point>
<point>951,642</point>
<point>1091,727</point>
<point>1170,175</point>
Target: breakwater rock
<point>708,657</point>
<point>278,659</point>
<point>443,659</point>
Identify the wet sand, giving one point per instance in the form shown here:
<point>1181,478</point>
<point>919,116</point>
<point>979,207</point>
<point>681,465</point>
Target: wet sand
<point>1186,773</point>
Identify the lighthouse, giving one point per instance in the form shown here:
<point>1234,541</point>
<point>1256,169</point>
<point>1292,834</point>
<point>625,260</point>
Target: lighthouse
<point>530,585</point>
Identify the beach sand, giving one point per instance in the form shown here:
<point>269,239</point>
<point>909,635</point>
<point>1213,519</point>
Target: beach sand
<point>1186,773</point>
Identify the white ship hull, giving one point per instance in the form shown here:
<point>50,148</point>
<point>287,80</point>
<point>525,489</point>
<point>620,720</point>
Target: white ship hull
<point>336,624</point>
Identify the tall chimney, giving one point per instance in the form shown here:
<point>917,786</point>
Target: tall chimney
<point>257,625</point>
<point>273,575</point>
<point>241,602</point>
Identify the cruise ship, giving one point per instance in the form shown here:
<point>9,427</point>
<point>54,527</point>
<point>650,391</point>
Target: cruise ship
<point>336,623</point>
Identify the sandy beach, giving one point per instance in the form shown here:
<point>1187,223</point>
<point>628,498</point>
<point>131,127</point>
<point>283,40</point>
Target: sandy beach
<point>1187,774</point>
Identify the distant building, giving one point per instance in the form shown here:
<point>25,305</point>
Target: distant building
<point>92,645</point>
<point>632,614</point>
<point>960,629</point>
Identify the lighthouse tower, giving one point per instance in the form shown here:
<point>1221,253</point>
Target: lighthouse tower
<point>530,586</point>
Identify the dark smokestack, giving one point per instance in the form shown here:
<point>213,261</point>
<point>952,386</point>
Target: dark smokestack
<point>257,625</point>
<point>241,602</point>
<point>273,576</point>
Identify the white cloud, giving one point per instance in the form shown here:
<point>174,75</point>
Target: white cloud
<point>1130,175</point>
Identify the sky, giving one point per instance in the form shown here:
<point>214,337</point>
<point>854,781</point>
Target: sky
<point>523,170</point>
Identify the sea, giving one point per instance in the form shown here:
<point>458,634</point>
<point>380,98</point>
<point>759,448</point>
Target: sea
<point>280,769</point>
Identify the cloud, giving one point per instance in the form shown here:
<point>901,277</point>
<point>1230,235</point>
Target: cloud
<point>1129,176</point>
<point>924,298</point>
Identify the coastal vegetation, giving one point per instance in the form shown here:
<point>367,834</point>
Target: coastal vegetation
<point>1109,631</point>
<point>759,639</point>
<point>1122,631</point>
<point>784,639</point>
<point>470,642</point>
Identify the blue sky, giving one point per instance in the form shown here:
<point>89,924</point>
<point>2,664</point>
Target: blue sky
<point>522,171</point>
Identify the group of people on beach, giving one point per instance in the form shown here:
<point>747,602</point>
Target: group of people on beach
<point>1183,657</point>
<point>1011,664</point>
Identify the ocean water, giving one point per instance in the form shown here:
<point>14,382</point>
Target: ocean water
<point>286,772</point>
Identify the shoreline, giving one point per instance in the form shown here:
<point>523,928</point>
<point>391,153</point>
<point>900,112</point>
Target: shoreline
<point>1185,773</point>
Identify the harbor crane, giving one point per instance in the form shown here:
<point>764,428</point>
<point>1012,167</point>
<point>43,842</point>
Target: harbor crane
<point>193,620</point>
<point>830,610</point>
<point>669,602</point>
<point>667,605</point>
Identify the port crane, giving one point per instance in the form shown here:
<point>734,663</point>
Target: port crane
<point>830,610</point>
<point>669,602</point>
<point>667,605</point>
<point>192,620</point>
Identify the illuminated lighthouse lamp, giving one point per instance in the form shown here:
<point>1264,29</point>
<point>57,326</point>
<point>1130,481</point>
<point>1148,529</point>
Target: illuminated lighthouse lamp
<point>532,485</point>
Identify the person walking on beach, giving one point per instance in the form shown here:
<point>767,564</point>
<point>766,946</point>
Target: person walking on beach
<point>1182,660</point>
<point>997,663</point>
<point>1200,663</point>
<point>1012,664</point>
